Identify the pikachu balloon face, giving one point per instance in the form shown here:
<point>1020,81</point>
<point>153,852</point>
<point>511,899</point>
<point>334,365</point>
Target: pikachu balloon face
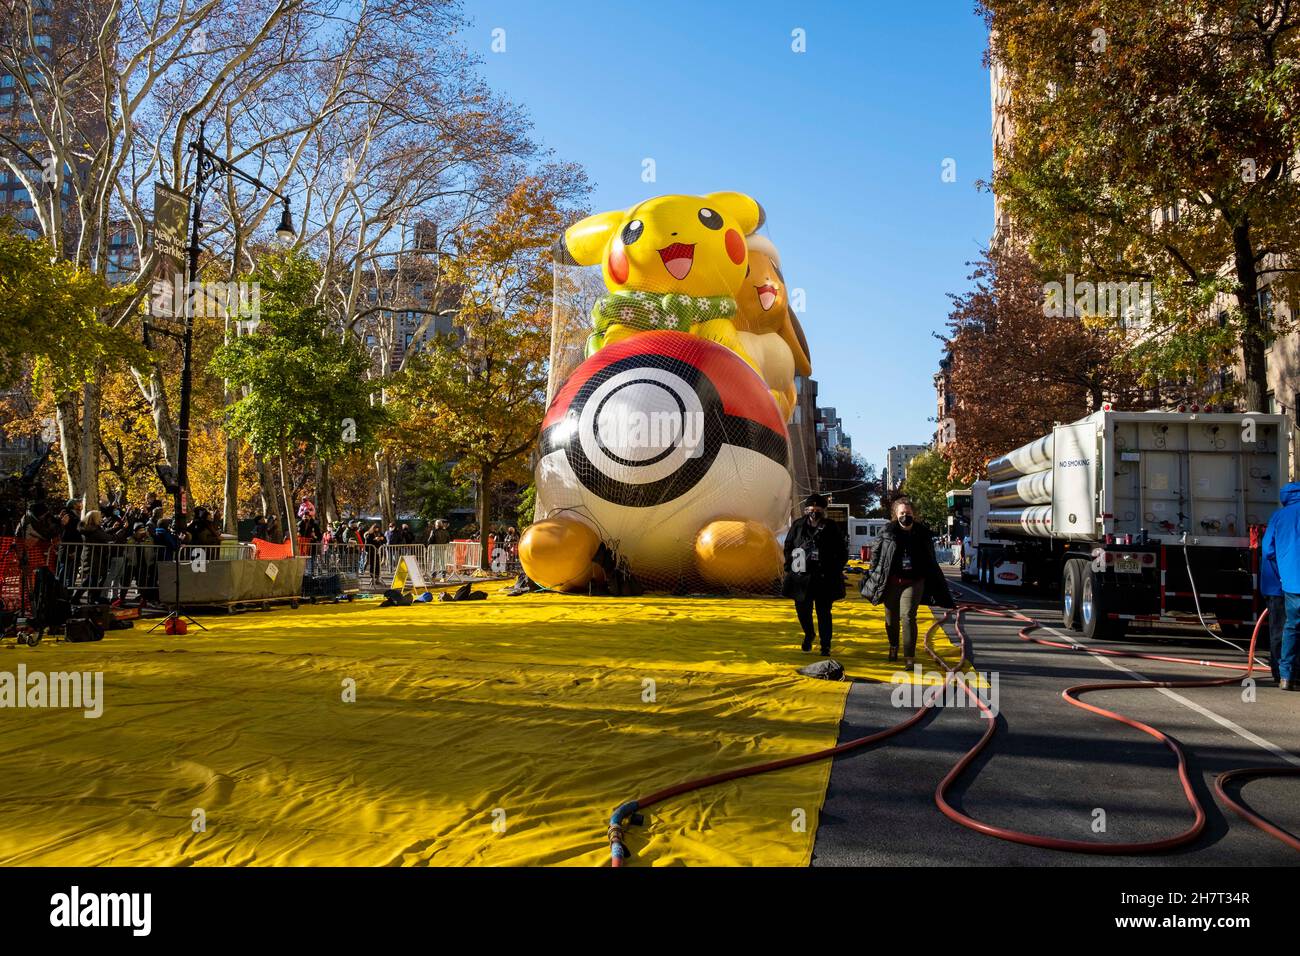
<point>672,263</point>
<point>688,245</point>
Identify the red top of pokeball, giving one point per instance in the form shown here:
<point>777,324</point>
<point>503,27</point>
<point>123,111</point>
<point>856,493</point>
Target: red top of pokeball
<point>743,393</point>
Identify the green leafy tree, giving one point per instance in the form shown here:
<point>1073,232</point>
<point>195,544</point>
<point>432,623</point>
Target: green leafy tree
<point>927,484</point>
<point>49,311</point>
<point>303,383</point>
<point>527,506</point>
<point>437,491</point>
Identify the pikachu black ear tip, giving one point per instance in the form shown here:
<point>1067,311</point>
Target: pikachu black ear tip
<point>560,253</point>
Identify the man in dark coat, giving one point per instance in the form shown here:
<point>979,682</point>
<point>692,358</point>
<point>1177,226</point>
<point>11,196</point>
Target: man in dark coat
<point>815,552</point>
<point>905,574</point>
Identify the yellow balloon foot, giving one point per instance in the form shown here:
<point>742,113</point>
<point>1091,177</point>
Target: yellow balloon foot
<point>556,553</point>
<point>738,554</point>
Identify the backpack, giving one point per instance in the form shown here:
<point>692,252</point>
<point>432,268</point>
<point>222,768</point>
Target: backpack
<point>82,630</point>
<point>50,604</point>
<point>465,592</point>
<point>395,597</point>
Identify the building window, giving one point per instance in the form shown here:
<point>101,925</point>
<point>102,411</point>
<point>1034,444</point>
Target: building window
<point>1265,297</point>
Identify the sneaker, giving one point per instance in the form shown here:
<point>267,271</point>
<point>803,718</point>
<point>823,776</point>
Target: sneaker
<point>806,646</point>
<point>826,650</point>
<point>893,653</point>
<point>907,663</point>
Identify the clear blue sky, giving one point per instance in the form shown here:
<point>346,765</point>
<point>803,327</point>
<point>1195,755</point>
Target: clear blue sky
<point>842,144</point>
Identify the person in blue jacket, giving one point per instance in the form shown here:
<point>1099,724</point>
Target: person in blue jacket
<point>1279,581</point>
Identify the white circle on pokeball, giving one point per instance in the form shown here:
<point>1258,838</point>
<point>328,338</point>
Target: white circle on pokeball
<point>641,425</point>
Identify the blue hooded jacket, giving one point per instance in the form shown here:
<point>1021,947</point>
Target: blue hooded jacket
<point>1280,559</point>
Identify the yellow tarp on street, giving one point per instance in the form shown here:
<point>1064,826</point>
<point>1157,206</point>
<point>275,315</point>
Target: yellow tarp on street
<point>498,732</point>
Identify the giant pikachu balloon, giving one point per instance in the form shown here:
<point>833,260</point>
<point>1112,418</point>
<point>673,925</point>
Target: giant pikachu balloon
<point>666,444</point>
<point>672,262</point>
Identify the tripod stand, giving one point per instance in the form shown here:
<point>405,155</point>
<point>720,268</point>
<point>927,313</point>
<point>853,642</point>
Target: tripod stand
<point>170,622</point>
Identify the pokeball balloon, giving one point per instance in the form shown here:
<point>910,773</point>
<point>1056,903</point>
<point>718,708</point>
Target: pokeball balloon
<point>669,448</point>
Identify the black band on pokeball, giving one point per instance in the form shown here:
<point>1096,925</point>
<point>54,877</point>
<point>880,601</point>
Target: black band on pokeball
<point>719,428</point>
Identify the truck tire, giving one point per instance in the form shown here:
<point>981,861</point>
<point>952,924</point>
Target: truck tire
<point>1072,575</point>
<point>1094,610</point>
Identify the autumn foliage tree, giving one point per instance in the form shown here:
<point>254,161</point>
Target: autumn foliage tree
<point>1015,370</point>
<point>1157,141</point>
<point>479,402</point>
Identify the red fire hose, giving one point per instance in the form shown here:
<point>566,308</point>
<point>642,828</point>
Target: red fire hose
<point>628,812</point>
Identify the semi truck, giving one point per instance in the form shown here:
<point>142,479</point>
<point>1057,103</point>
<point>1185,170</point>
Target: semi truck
<point>1135,517</point>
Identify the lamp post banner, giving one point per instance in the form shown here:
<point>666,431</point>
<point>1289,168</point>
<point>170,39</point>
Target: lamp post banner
<point>171,210</point>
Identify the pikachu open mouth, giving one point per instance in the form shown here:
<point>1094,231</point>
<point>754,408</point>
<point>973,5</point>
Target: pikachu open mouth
<point>678,259</point>
<point>766,295</point>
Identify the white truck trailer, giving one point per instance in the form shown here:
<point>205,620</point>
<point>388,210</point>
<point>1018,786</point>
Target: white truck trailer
<point>1135,516</point>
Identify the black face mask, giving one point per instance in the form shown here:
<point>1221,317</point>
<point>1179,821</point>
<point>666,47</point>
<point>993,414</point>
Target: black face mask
<point>905,521</point>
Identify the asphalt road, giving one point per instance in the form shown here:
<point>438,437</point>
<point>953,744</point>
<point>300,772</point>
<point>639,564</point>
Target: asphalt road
<point>1051,766</point>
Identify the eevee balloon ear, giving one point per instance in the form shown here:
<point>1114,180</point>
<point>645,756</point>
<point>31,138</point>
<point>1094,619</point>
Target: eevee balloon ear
<point>744,209</point>
<point>584,242</point>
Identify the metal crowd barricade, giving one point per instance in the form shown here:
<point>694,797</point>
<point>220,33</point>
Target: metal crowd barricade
<point>334,567</point>
<point>390,555</point>
<point>95,573</point>
<point>373,567</point>
<point>438,558</point>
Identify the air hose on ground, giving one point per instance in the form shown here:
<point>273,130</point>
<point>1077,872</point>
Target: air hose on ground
<point>628,813</point>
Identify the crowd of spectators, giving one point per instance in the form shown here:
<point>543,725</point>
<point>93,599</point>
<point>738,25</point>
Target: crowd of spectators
<point>104,552</point>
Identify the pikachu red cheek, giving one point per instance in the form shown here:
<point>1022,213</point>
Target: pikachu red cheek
<point>618,267</point>
<point>735,246</point>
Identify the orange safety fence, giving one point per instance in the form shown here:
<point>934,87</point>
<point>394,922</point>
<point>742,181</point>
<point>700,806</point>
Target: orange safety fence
<point>269,551</point>
<point>460,553</point>
<point>19,560</point>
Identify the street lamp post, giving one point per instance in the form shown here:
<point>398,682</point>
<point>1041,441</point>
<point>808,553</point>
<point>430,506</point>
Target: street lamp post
<point>206,163</point>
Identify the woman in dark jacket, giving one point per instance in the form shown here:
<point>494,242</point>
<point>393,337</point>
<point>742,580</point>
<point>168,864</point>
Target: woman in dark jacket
<point>815,553</point>
<point>94,556</point>
<point>905,574</point>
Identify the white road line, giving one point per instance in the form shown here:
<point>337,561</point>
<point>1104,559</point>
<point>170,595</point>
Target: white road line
<point>1219,719</point>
